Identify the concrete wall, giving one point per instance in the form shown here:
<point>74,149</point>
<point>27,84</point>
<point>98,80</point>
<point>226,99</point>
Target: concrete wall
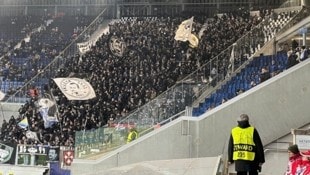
<point>21,170</point>
<point>274,107</point>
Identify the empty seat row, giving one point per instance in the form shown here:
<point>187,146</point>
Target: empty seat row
<point>242,81</point>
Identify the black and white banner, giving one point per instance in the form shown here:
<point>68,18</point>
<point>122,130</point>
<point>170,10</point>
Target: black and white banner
<point>7,153</point>
<point>117,46</point>
<point>53,153</point>
<point>75,88</point>
<point>84,47</point>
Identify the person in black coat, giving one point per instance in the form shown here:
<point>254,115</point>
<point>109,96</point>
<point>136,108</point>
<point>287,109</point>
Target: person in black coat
<point>247,154</point>
<point>291,59</point>
<point>264,75</point>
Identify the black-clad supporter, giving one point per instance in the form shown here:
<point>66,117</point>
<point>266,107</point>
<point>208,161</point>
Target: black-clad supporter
<point>292,58</point>
<point>264,74</point>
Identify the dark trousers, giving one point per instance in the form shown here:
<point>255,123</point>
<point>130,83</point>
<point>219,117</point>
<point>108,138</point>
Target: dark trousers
<point>247,173</point>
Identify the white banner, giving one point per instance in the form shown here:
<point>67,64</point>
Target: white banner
<point>193,41</point>
<point>48,111</point>
<point>184,31</point>
<point>303,141</point>
<point>45,103</point>
<point>48,120</point>
<point>32,135</point>
<point>83,47</point>
<point>2,95</point>
<point>75,88</point>
<point>232,54</point>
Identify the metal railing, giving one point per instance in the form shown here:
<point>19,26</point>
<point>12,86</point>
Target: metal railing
<point>304,12</point>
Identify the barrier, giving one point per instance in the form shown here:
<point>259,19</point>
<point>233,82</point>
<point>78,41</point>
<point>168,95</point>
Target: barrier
<point>301,137</point>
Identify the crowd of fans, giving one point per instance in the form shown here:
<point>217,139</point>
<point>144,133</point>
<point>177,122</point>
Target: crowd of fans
<point>151,63</point>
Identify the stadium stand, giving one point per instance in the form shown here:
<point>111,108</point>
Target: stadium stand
<point>140,74</point>
<point>123,84</point>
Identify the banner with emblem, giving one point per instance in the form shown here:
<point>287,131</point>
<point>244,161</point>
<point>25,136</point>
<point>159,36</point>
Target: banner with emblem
<point>117,46</point>
<point>68,157</point>
<point>7,153</point>
<point>53,153</point>
<point>75,88</point>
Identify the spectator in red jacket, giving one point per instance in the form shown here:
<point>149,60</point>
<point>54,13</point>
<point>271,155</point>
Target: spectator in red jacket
<point>304,167</point>
<point>294,159</point>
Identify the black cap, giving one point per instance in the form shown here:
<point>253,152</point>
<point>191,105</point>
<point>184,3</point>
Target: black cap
<point>294,149</point>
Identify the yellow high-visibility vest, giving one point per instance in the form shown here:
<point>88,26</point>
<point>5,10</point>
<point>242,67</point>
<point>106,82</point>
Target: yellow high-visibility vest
<point>10,172</point>
<point>243,143</point>
<point>133,135</point>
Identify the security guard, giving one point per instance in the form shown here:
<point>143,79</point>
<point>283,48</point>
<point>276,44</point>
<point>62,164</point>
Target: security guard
<point>133,135</point>
<point>10,172</point>
<point>245,148</point>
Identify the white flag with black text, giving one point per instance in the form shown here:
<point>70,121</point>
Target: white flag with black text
<point>75,88</point>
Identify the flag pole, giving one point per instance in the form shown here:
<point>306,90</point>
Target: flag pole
<point>232,58</point>
<point>2,95</point>
<point>57,109</point>
<point>84,129</point>
<point>2,110</point>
